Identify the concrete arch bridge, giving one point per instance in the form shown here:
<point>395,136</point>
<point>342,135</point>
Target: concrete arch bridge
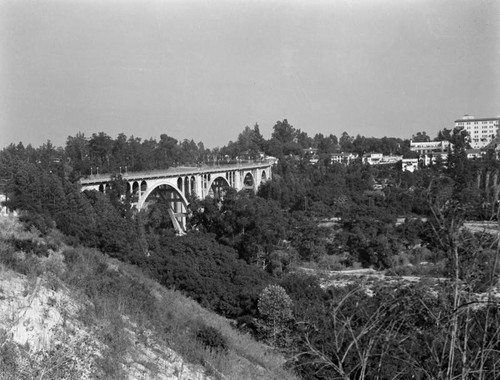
<point>175,185</point>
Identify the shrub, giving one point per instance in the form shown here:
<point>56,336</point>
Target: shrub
<point>276,308</point>
<point>401,259</point>
<point>9,358</point>
<point>30,246</point>
<point>54,263</point>
<point>332,262</point>
<point>275,304</point>
<point>400,270</point>
<point>42,222</point>
<point>211,338</point>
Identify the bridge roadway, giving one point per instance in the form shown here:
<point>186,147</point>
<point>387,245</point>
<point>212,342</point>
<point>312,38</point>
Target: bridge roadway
<point>176,184</point>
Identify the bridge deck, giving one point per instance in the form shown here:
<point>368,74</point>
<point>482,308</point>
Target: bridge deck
<point>174,172</point>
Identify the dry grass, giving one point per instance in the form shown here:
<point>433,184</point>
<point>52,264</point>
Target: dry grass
<point>246,359</point>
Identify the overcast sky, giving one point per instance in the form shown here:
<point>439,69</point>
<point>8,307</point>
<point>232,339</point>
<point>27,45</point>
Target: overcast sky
<point>203,70</point>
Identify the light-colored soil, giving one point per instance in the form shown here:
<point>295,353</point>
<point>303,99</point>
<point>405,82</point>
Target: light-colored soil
<point>40,322</point>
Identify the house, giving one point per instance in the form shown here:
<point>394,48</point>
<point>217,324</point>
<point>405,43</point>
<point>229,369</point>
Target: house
<point>430,150</point>
<point>475,154</point>
<point>409,164</point>
<point>343,158</point>
<point>380,159</point>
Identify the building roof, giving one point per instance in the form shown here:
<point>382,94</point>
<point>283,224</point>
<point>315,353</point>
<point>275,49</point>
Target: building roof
<point>342,154</point>
<point>477,119</point>
<point>429,143</point>
<point>473,151</point>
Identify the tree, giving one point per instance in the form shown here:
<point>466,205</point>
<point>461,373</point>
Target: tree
<point>284,140</point>
<point>326,144</point>
<point>248,223</point>
<point>257,138</point>
<point>275,306</point>
<point>166,151</point>
<point>100,146</point>
<point>119,153</point>
<point>345,142</point>
<point>420,137</point>
<point>284,132</point>
<point>304,140</point>
<point>77,151</point>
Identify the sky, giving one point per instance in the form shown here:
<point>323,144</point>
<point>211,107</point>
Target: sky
<point>204,70</point>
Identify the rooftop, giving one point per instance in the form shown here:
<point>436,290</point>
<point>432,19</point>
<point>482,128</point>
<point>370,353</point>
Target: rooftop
<point>472,118</point>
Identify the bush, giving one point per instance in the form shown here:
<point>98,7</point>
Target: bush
<point>421,270</point>
<point>42,222</point>
<point>275,307</point>
<point>212,339</point>
<point>30,246</point>
<point>401,259</point>
<point>400,270</point>
<point>332,262</point>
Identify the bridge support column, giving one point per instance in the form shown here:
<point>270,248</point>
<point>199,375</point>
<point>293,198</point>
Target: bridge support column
<point>238,181</point>
<point>256,180</point>
<point>198,186</point>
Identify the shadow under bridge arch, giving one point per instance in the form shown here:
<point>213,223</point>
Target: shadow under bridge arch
<point>249,182</point>
<point>172,197</point>
<point>218,186</point>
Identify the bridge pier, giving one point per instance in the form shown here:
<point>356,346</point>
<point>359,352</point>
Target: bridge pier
<point>198,186</point>
<point>238,183</point>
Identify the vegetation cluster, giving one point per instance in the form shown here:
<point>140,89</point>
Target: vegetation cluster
<point>115,321</point>
<point>241,253</point>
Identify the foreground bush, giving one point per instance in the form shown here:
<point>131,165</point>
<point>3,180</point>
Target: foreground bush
<point>122,309</point>
<point>404,332</point>
<point>211,338</point>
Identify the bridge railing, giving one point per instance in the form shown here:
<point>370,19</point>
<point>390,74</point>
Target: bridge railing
<point>232,162</point>
<point>180,170</point>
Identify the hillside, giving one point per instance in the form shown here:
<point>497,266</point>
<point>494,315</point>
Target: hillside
<point>68,313</point>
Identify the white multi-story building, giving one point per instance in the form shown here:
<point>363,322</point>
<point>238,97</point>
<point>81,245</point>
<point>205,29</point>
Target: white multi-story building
<point>429,147</point>
<point>380,159</point>
<point>482,131</point>
<point>429,151</point>
<point>343,158</point>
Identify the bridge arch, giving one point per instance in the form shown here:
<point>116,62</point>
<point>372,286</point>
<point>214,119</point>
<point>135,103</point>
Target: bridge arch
<point>174,197</point>
<point>263,177</point>
<point>248,181</point>
<point>217,183</point>
<point>159,185</point>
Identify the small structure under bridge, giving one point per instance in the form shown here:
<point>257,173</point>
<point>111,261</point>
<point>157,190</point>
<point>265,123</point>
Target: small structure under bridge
<point>176,184</point>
